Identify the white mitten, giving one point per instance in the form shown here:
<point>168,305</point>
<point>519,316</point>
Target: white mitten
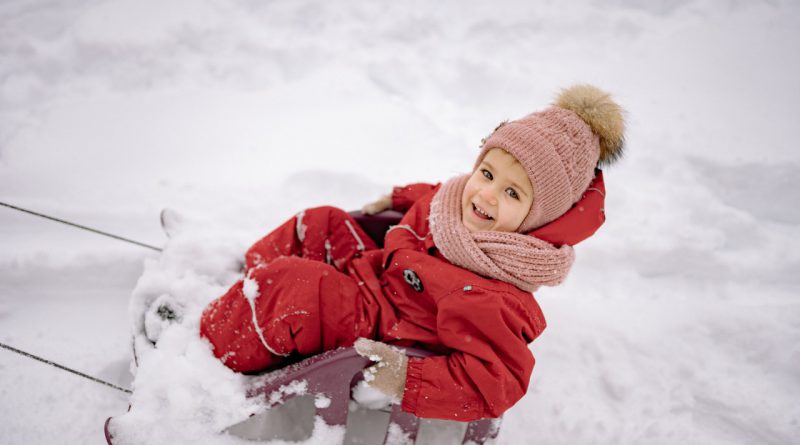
<point>388,375</point>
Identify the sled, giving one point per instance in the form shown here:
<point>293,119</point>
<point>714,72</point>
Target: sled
<point>330,376</point>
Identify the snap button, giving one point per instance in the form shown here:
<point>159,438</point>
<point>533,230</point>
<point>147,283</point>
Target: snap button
<point>413,280</point>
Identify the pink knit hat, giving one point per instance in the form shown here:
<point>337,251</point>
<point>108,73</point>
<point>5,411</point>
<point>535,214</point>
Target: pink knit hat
<point>560,148</point>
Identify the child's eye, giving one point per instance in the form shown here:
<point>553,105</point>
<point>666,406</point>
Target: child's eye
<point>512,193</point>
<point>487,174</point>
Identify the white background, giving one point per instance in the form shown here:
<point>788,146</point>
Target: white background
<point>679,322</point>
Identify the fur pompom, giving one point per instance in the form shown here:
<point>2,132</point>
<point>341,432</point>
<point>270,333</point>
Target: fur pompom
<point>602,114</point>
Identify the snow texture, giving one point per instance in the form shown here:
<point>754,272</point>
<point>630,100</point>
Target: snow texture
<point>321,401</point>
<point>297,387</point>
<point>369,397</point>
<point>396,436</point>
<point>162,312</point>
<point>679,322</point>
<point>250,289</point>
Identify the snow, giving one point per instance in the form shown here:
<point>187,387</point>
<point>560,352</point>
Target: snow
<point>369,397</point>
<point>250,289</point>
<point>396,436</point>
<point>297,387</point>
<point>321,401</point>
<point>154,321</point>
<point>679,322</point>
<point>324,434</point>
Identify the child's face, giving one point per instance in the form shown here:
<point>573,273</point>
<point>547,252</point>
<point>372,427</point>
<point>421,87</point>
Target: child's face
<point>498,195</point>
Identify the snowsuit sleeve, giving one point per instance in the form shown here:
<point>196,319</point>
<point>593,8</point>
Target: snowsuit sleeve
<point>404,197</point>
<point>491,365</point>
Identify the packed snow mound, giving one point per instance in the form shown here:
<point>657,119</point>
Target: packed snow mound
<point>182,393</point>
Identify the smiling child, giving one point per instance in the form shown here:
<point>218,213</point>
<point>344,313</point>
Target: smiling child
<point>455,276</point>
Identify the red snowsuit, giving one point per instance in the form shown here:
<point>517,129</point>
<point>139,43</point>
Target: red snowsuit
<point>322,283</point>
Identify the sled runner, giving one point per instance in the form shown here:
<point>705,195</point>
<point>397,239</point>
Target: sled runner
<point>330,377</point>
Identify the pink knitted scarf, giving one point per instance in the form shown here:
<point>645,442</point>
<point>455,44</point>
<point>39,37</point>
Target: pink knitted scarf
<point>522,260</point>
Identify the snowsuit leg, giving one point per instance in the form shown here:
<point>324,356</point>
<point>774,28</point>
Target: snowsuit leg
<point>294,298</point>
<point>326,234</point>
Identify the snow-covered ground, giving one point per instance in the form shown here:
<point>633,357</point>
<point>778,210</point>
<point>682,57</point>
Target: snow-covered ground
<point>680,322</point>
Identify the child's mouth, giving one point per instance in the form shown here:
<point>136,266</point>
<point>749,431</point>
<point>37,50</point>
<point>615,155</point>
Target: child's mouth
<point>480,213</point>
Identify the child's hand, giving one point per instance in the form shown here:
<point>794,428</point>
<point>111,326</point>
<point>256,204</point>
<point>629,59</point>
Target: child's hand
<point>383,203</point>
<point>388,375</point>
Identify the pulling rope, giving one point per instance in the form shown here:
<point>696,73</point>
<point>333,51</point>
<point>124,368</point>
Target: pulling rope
<point>62,367</point>
<point>100,232</point>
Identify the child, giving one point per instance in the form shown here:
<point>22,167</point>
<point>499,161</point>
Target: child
<point>455,276</point>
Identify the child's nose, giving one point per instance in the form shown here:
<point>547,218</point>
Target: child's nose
<point>489,196</point>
